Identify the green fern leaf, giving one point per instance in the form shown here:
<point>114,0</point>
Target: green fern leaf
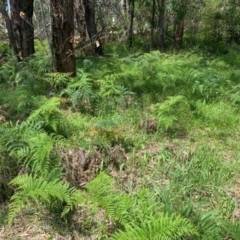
<point>232,228</point>
<point>157,227</point>
<point>31,188</point>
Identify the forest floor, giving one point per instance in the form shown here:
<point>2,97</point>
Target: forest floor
<point>174,129</point>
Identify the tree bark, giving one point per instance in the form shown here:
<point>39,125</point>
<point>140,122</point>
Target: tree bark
<point>178,35</point>
<point>91,26</point>
<point>21,31</point>
<point>9,29</point>
<point>161,33</point>
<point>124,6</point>
<point>152,24</point>
<point>132,9</point>
<point>44,25</point>
<point>80,19</point>
<point>63,36</point>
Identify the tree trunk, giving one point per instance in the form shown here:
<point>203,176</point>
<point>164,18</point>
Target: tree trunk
<point>62,36</point>
<point>161,24</point>
<point>178,35</point>
<point>21,29</point>
<point>132,9</point>
<point>152,24</point>
<point>9,29</point>
<point>44,25</point>
<point>124,6</point>
<point>80,19</point>
<point>91,26</point>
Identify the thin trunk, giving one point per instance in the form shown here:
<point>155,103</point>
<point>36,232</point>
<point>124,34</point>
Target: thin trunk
<point>178,35</point>
<point>152,24</point>
<point>161,24</point>
<point>80,19</point>
<point>22,28</point>
<point>124,6</point>
<point>91,26</point>
<point>9,29</point>
<point>62,36</point>
<point>130,36</point>
<point>44,24</point>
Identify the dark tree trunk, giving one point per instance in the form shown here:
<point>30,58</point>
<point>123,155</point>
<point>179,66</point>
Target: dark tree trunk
<point>161,24</point>
<point>23,30</point>
<point>179,29</point>
<point>91,26</point>
<point>62,36</point>
<point>152,24</point>
<point>20,27</point>
<point>80,19</point>
<point>9,29</point>
<point>131,10</point>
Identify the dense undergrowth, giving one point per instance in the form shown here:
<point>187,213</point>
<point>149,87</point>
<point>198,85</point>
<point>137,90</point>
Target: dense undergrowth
<point>141,146</point>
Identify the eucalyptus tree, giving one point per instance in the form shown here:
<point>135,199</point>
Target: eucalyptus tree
<point>63,36</point>
<point>152,23</point>
<point>132,12</point>
<point>161,22</point>
<point>80,19</point>
<point>89,9</point>
<point>5,14</point>
<point>181,10</point>
<point>18,16</point>
<point>124,5</point>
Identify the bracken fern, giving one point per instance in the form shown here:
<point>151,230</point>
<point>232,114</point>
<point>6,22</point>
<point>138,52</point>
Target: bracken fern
<point>139,214</point>
<point>30,188</point>
<point>158,227</point>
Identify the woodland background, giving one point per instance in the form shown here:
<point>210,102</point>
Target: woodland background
<point>119,119</point>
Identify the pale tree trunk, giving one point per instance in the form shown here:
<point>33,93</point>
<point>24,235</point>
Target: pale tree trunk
<point>161,19</point>
<point>179,29</point>
<point>63,36</point>
<point>44,25</point>
<point>80,19</point>
<point>89,7</point>
<point>131,11</point>
<point>124,6</point>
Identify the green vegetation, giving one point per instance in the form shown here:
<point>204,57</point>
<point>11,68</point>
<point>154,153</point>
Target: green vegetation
<point>137,146</point>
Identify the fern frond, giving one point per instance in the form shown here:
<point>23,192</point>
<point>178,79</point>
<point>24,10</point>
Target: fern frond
<point>31,146</point>
<point>8,71</point>
<point>108,87</point>
<point>138,213</point>
<point>115,204</point>
<point>47,107</point>
<point>209,225</point>
<point>31,188</point>
<point>232,228</point>
<point>80,90</point>
<point>157,227</point>
<point>174,109</point>
<point>56,79</point>
<point>48,113</point>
